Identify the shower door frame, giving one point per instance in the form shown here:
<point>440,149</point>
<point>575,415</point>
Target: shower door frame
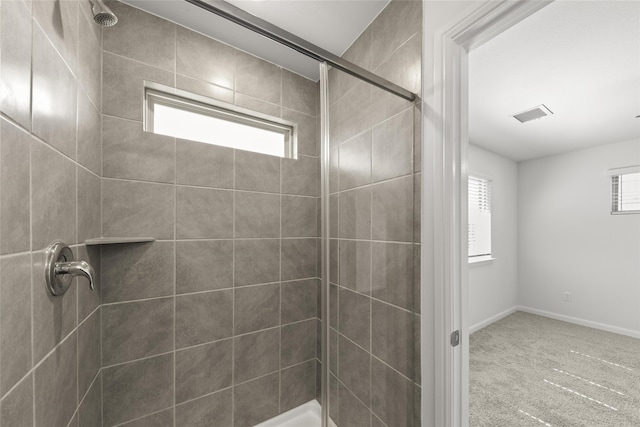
<point>446,128</point>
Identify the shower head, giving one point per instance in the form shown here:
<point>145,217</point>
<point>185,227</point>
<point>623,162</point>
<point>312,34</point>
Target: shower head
<point>102,14</point>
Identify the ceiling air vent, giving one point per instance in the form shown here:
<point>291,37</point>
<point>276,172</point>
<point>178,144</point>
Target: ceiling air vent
<point>533,114</point>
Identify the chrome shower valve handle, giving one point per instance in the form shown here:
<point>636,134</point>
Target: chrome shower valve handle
<point>61,268</point>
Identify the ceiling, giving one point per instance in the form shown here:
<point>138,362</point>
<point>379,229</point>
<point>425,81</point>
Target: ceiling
<point>579,58</point>
<point>330,24</point>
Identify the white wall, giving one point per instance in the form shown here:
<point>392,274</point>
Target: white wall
<point>493,286</point>
<point>569,241</point>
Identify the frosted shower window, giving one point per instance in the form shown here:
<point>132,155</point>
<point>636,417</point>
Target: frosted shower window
<point>479,219</point>
<point>625,190</point>
<point>185,115</point>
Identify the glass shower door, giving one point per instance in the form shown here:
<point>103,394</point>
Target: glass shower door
<point>371,184</point>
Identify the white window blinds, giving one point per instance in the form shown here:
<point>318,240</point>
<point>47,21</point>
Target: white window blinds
<point>479,217</point>
<point>625,190</point>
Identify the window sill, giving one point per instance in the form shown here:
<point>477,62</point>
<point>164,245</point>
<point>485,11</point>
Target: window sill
<point>476,262</point>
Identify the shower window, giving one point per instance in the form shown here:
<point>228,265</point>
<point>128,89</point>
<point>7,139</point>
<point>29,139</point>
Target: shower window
<point>625,190</point>
<point>186,115</point>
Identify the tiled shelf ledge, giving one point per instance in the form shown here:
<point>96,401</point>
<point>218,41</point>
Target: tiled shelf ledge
<point>117,240</point>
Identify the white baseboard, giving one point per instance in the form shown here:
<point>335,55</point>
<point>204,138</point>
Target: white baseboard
<point>492,319</point>
<point>582,322</point>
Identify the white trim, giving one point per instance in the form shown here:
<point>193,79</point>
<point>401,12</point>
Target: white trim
<point>493,319</point>
<point>445,143</point>
<point>581,322</point>
<point>623,171</point>
<point>478,261</point>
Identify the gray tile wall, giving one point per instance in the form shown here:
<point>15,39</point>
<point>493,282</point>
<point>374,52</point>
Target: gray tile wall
<point>375,188</point>
<point>50,175</point>
<point>215,322</point>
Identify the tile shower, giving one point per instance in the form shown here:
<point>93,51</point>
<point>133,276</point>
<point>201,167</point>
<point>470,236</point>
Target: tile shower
<point>217,321</point>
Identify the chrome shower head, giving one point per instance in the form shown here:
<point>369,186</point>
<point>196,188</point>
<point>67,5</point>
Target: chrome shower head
<point>102,14</point>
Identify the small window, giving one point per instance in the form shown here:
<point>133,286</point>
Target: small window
<point>625,190</point>
<point>479,219</point>
<point>185,115</point>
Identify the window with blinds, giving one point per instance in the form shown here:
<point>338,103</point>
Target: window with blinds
<point>625,190</point>
<point>479,217</point>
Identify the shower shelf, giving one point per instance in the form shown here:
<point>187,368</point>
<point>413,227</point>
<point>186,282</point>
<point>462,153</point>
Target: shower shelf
<point>117,240</point>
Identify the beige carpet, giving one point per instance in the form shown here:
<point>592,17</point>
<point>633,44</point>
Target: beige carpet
<point>527,370</point>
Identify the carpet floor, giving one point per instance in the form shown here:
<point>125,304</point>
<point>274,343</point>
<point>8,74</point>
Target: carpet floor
<point>528,370</point>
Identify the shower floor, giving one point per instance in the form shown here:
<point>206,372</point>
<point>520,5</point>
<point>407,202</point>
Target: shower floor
<point>306,415</point>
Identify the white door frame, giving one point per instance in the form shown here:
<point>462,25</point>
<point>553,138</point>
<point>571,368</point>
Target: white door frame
<point>444,196</point>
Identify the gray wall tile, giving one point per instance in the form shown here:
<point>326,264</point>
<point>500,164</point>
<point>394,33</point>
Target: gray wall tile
<point>137,388</point>
<point>135,330</point>
<point>203,88</point>
<point>133,209</point>
<point>354,364</point>
<point>257,172</point>
<point>130,153</point>
<point>299,93</point>
<point>258,105</point>
<point>256,215</point>
<point>203,164</point>
<point>256,355</point>
<point>298,342</point>
<point>204,265</point>
<point>258,78</point>
<point>392,210</point>
<point>204,213</point>
<point>299,300</point>
<point>15,318</point>
<point>203,58</point>
<point>299,258</point>
<point>354,314</point>
<point>141,36</point>
<point>57,376</point>
<point>355,161</point>
<point>256,261</point>
<point>351,411</point>
<point>299,176</point>
<point>392,336</point>
<point>137,271</point>
<point>89,69</point>
<point>387,34</point>
<point>298,385</point>
<point>355,213</point>
<point>89,135</point>
<point>256,401</point>
<point>52,78</point>
<point>203,369</point>
<point>299,216</point>
<point>215,409</point>
<point>392,147</point>
<point>60,24</point>
<point>53,197</point>
<point>355,265</point>
<point>89,353</point>
<point>16,409</point>
<point>122,83</point>
<point>14,187</point>
<point>392,395</point>
<point>15,69</point>
<point>203,317</point>
<point>90,410</point>
<point>307,131</point>
<point>256,307</point>
<point>159,419</point>
<point>89,205</point>
<point>392,272</point>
